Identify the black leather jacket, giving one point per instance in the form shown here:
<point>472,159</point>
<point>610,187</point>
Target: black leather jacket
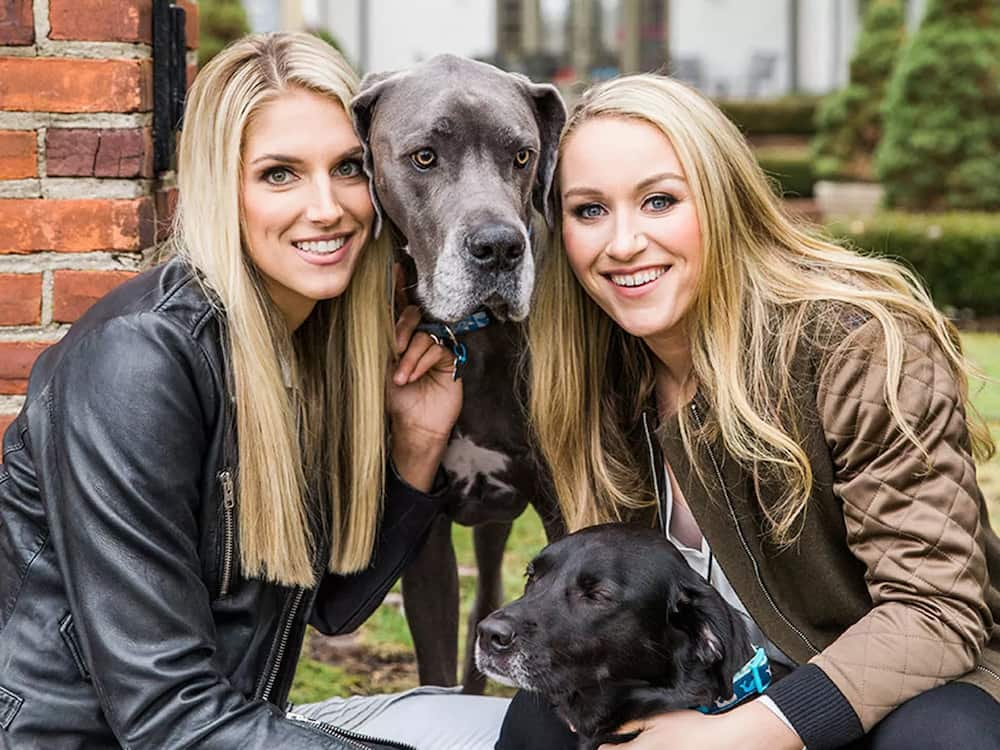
<point>123,615</point>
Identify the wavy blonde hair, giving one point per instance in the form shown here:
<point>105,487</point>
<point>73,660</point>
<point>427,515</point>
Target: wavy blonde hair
<point>312,455</point>
<point>765,283</point>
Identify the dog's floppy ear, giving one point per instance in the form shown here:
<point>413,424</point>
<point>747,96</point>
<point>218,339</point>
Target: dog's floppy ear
<point>719,636</point>
<point>363,106</point>
<point>550,114</point>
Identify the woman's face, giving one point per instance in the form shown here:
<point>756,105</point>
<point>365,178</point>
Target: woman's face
<point>630,226</point>
<point>306,207</point>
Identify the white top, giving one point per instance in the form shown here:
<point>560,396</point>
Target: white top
<point>702,562</point>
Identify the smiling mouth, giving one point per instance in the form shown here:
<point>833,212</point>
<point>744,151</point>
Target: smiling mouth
<point>324,247</point>
<point>640,278</point>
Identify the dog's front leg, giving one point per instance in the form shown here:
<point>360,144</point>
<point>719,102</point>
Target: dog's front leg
<point>489,541</point>
<point>430,596</point>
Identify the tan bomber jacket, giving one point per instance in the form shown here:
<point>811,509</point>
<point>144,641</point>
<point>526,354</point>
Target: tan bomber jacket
<point>894,585</point>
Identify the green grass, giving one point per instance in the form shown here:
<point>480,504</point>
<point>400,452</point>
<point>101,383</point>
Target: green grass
<point>385,660</point>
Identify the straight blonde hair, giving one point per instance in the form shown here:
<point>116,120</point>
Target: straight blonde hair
<point>310,414</point>
<point>766,283</point>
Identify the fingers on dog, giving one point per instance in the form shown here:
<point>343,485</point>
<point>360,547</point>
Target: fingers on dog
<point>408,321</point>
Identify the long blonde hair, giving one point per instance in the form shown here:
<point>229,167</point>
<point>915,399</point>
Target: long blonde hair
<point>312,454</point>
<point>764,283</point>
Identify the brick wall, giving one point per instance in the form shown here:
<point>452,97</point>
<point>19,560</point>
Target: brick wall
<point>80,204</point>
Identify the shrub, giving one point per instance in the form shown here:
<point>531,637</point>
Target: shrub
<point>791,167</point>
<point>221,22</point>
<point>849,121</point>
<point>956,254</point>
<point>941,145</point>
<point>789,115</point>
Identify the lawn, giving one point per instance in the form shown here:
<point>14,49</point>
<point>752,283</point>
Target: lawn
<point>379,657</point>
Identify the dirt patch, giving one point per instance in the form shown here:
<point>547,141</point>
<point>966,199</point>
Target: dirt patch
<point>384,669</point>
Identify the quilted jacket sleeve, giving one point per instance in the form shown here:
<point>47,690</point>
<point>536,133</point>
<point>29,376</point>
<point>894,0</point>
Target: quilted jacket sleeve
<point>913,519</point>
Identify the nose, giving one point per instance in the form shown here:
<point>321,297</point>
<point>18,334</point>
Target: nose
<point>628,241</point>
<point>324,209</point>
<point>496,246</point>
<point>496,634</point>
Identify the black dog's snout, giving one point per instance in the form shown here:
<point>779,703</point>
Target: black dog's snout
<point>496,246</point>
<point>496,634</point>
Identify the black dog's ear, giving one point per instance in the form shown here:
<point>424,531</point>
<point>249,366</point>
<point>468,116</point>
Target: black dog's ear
<point>550,114</point>
<point>719,637</point>
<point>363,107</point>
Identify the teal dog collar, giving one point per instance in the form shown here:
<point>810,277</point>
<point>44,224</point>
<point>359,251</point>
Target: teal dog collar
<point>752,680</point>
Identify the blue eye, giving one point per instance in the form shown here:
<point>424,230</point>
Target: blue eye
<point>589,211</point>
<point>349,168</point>
<point>660,202</point>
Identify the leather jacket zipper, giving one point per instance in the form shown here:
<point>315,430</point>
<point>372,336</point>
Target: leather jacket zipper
<point>228,530</point>
<point>353,739</point>
<point>264,692</point>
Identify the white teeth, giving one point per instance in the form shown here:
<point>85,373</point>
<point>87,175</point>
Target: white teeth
<point>326,246</point>
<point>638,279</point>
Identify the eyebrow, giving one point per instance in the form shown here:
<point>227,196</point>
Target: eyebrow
<point>285,159</point>
<point>639,188</point>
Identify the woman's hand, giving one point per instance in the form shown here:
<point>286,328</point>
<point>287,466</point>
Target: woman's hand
<point>423,401</point>
<point>751,726</point>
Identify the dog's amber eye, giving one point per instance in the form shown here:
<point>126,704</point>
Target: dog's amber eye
<point>522,157</point>
<point>425,158</point>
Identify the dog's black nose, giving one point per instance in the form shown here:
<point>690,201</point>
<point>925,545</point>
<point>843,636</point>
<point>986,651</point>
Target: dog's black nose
<point>496,246</point>
<point>496,634</point>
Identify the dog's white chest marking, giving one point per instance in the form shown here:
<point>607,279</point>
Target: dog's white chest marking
<point>466,460</point>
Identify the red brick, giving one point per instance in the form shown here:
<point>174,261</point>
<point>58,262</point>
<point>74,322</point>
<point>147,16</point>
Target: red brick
<point>74,291</point>
<point>5,421</point>
<point>20,299</point>
<point>16,359</point>
<point>17,22</point>
<point>75,226</point>
<point>51,84</point>
<point>102,20</point>
<point>18,154</point>
<point>71,152</point>
<point>93,152</point>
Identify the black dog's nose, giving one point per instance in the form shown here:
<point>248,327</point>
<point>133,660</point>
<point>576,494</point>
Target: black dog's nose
<point>496,634</point>
<point>496,246</point>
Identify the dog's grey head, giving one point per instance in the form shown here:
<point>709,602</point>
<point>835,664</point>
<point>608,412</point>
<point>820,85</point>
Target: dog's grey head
<point>458,152</point>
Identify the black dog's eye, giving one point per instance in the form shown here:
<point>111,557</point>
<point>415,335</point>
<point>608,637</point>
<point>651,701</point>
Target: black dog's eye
<point>593,589</point>
<point>529,572</point>
<point>424,159</point>
<point>522,158</point>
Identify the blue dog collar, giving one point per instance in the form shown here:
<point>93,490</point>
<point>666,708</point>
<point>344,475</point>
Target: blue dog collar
<point>750,681</point>
<point>447,335</point>
<point>478,320</point>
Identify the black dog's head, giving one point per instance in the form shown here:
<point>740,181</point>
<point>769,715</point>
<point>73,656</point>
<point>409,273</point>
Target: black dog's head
<point>613,625</point>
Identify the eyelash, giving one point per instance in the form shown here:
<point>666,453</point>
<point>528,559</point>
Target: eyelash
<point>579,211</point>
<point>269,173</point>
<point>670,200</point>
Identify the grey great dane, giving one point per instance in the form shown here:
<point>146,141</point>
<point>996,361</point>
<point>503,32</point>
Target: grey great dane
<point>461,156</point>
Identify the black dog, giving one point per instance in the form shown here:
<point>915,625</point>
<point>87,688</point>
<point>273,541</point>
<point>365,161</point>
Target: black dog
<point>614,626</point>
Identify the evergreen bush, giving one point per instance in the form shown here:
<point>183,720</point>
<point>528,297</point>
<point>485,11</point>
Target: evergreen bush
<point>956,254</point>
<point>941,143</point>
<point>849,121</point>
<point>221,22</point>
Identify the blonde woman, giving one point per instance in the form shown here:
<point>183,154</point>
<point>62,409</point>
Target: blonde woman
<point>794,413</point>
<point>202,465</point>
